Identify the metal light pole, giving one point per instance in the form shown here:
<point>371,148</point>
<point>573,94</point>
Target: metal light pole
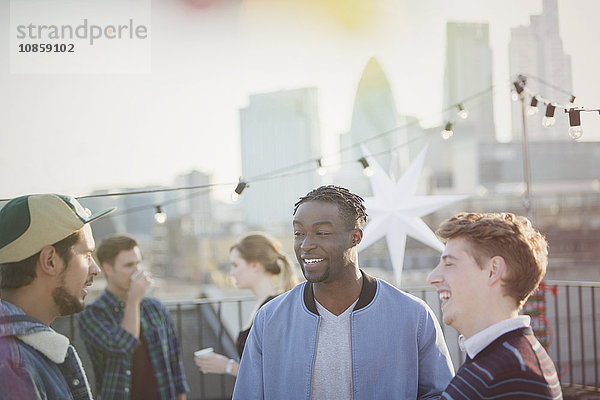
<point>526,168</point>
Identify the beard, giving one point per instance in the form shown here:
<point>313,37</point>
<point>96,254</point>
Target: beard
<point>66,302</point>
<point>316,279</point>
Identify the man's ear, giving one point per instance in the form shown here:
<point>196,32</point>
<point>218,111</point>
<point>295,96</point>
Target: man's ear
<point>107,269</point>
<point>357,235</point>
<point>496,270</point>
<point>49,261</point>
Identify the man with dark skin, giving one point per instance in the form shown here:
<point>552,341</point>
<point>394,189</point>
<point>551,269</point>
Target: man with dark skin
<point>342,334</point>
<point>327,252</point>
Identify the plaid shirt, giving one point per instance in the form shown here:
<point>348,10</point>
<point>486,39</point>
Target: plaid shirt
<point>111,347</point>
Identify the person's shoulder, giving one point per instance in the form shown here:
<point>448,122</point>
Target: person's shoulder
<point>15,356</point>
<point>9,347</point>
<point>511,355</point>
<point>503,373</point>
<point>104,300</point>
<point>154,303</point>
<point>284,300</point>
<point>100,304</point>
<point>403,298</point>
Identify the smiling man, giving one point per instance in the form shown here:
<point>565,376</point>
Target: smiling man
<point>46,266</point>
<point>342,334</point>
<point>490,266</point>
<point>130,337</point>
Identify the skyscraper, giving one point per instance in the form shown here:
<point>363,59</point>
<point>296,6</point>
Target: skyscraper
<point>468,73</point>
<point>197,207</point>
<point>536,51</point>
<point>278,130</point>
<point>376,124</point>
<point>454,164</point>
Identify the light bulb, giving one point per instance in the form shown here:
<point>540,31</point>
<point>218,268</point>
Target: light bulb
<point>368,171</point>
<point>237,192</point>
<point>516,95</point>
<point>548,121</point>
<point>447,132</point>
<point>462,113</point>
<point>533,109</point>
<point>321,170</point>
<point>160,217</point>
<point>576,132</point>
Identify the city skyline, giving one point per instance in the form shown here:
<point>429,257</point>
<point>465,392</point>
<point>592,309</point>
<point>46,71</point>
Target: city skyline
<point>145,129</point>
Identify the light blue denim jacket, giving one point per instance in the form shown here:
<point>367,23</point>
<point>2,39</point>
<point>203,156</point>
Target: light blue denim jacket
<point>36,362</point>
<point>398,349</point>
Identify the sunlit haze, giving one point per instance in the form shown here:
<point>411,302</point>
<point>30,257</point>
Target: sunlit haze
<point>73,133</point>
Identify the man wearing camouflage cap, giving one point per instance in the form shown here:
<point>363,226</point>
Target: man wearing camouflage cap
<point>46,264</point>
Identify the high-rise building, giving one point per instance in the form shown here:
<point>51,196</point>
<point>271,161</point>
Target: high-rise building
<point>453,165</point>
<point>469,73</point>
<point>375,124</point>
<point>196,208</point>
<point>278,130</point>
<point>536,51</point>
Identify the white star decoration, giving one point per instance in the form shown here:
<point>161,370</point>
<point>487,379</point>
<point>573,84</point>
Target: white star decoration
<point>395,211</point>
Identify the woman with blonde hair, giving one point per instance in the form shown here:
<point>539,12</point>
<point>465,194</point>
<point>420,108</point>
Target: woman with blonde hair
<point>258,264</point>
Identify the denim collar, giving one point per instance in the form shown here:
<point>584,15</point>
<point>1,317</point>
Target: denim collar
<point>14,322</point>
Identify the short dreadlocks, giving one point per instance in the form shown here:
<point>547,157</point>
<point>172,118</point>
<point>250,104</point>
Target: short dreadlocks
<point>352,210</point>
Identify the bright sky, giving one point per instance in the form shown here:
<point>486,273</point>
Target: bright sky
<point>73,133</point>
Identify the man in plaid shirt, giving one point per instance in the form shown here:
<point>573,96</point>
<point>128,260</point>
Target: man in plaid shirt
<point>130,338</point>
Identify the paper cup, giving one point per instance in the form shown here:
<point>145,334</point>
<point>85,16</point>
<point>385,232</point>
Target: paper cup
<point>204,352</point>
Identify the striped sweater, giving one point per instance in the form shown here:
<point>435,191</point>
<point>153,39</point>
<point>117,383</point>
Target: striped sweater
<point>514,366</point>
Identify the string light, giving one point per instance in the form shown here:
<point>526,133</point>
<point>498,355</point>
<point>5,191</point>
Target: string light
<point>548,119</point>
<point>447,132</point>
<point>519,86</point>
<point>533,108</point>
<point>367,170</point>
<point>235,195</point>
<point>160,216</point>
<point>277,173</point>
<point>575,129</point>
<point>321,170</point>
<point>519,89</point>
<point>462,112</point>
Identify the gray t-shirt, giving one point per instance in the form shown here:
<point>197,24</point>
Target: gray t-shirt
<point>332,374</point>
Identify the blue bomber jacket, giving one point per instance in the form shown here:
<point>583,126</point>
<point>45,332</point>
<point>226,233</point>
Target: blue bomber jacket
<point>398,349</point>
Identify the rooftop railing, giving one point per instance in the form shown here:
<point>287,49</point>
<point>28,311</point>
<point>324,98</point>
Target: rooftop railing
<point>564,317</point>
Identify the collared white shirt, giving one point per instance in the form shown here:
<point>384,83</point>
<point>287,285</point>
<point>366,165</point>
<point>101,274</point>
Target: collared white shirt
<point>484,338</point>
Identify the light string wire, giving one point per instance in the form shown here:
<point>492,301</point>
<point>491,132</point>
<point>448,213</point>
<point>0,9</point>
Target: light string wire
<point>283,171</point>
